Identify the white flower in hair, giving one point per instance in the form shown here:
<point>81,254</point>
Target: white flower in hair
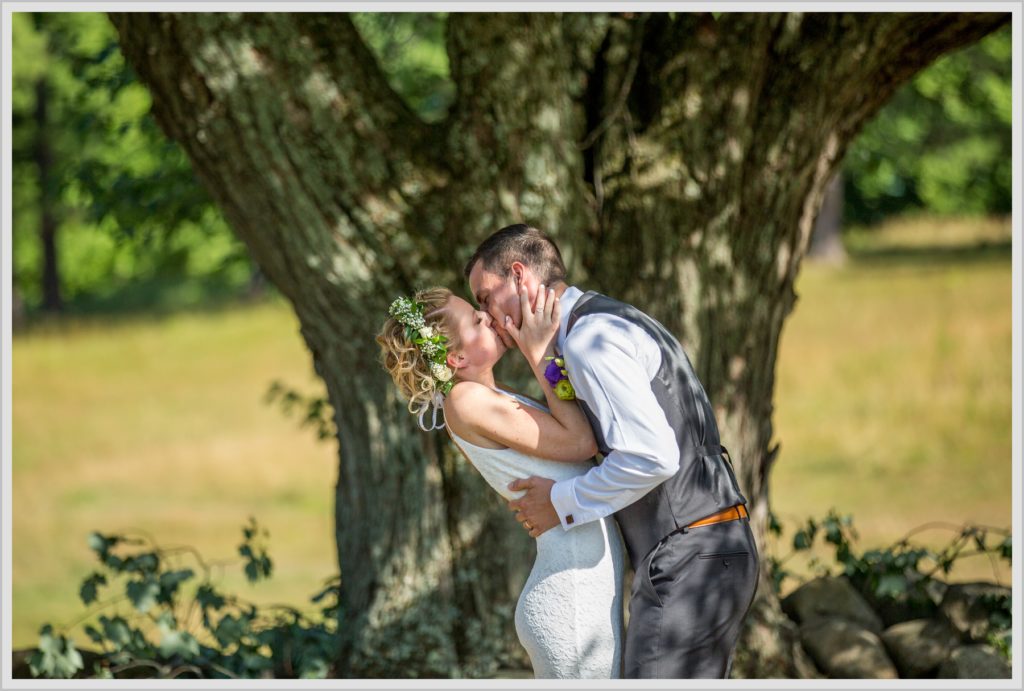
<point>441,372</point>
<point>431,342</point>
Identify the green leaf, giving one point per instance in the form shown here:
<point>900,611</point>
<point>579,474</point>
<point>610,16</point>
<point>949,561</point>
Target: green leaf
<point>801,540</point>
<point>98,543</point>
<point>116,630</point>
<point>229,630</point>
<point>314,667</point>
<point>87,592</point>
<point>147,562</point>
<point>1000,620</point>
<point>170,580</point>
<point>143,593</point>
<point>208,598</point>
<point>891,585</point>
<point>55,657</point>
<point>833,532</point>
<point>174,642</point>
<point>93,634</point>
<point>252,572</point>
<point>249,530</point>
<point>114,563</point>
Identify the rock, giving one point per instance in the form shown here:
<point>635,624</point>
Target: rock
<point>769,647</point>
<point>831,597</point>
<point>844,650</point>
<point>975,662</point>
<point>968,606</point>
<point>918,647</point>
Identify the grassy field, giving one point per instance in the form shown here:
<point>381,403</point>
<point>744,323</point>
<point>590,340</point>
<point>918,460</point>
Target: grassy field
<point>159,426</point>
<point>893,404</point>
<point>894,386</point>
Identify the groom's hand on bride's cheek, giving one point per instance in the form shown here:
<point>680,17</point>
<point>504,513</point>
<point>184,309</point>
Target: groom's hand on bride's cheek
<point>534,510</point>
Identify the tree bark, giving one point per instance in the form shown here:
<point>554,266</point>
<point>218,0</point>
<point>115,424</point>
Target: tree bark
<point>680,163</point>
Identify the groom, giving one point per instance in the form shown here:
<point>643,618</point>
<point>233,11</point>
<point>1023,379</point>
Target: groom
<point>664,473</point>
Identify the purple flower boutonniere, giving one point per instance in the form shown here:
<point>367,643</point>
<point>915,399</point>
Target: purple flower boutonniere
<point>558,377</point>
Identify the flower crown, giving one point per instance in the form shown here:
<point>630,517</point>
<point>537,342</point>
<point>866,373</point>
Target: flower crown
<point>431,343</point>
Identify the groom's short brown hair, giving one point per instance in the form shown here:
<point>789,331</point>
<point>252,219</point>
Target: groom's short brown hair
<point>520,243</point>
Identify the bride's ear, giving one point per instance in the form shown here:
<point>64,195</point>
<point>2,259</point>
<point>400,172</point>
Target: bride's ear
<point>456,360</point>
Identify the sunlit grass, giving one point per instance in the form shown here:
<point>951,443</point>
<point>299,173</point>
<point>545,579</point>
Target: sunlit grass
<point>894,393</point>
<point>160,426</point>
<point>893,404</point>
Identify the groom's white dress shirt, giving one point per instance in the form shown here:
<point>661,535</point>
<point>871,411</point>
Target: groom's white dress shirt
<point>611,363</point>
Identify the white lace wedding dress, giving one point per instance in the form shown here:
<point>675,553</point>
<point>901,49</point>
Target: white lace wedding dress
<point>569,615</point>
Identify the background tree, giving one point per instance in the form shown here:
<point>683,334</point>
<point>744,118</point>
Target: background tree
<point>679,159</point>
<point>942,143</point>
<point>38,165</point>
<point>114,201</point>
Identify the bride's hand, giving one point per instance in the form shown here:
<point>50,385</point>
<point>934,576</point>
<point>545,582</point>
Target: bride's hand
<point>535,336</point>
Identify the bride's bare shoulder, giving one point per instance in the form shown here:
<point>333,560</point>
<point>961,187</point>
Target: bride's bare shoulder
<point>469,409</point>
<point>467,397</point>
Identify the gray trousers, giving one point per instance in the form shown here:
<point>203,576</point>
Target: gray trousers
<point>689,598</point>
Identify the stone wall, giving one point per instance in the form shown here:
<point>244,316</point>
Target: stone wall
<point>943,635</point>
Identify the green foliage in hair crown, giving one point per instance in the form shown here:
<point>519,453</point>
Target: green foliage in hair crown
<point>431,343</point>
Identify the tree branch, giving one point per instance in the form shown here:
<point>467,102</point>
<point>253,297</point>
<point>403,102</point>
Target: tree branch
<point>313,158</point>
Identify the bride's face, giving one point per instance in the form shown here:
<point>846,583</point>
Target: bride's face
<point>479,343</point>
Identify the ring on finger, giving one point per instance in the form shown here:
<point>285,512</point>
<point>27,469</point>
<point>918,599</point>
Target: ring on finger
<point>526,524</point>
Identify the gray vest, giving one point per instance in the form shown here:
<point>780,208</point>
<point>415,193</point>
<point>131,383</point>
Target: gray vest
<point>705,482</point>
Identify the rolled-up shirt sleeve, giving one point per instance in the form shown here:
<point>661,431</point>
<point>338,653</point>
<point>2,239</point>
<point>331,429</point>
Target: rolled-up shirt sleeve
<point>611,362</point>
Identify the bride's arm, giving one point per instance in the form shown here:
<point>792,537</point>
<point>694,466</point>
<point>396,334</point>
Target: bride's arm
<point>506,421</point>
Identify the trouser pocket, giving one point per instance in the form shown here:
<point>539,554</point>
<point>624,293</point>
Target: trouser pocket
<point>720,555</point>
<point>647,577</point>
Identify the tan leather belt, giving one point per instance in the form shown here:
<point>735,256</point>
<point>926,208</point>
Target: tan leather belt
<point>733,513</point>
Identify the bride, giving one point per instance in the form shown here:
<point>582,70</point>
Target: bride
<point>441,353</point>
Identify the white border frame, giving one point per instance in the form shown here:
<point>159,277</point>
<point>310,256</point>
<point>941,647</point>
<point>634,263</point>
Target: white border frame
<point>6,681</point>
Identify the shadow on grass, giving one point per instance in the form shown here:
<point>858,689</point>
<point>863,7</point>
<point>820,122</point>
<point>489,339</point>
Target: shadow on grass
<point>932,255</point>
<point>150,299</point>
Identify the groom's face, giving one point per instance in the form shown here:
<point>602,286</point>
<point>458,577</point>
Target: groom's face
<point>498,295</point>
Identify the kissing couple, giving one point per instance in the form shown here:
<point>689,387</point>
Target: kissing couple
<point>616,385</point>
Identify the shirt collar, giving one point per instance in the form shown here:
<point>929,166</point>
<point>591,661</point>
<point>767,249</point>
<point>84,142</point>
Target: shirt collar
<point>568,300</point>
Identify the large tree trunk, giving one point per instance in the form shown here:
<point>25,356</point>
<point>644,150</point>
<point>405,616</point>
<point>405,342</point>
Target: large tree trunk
<point>43,154</point>
<point>679,161</point>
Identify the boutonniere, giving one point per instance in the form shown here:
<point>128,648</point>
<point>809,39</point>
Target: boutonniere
<point>558,377</point>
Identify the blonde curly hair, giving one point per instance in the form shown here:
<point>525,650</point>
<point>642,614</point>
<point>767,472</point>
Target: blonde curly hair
<point>407,365</point>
